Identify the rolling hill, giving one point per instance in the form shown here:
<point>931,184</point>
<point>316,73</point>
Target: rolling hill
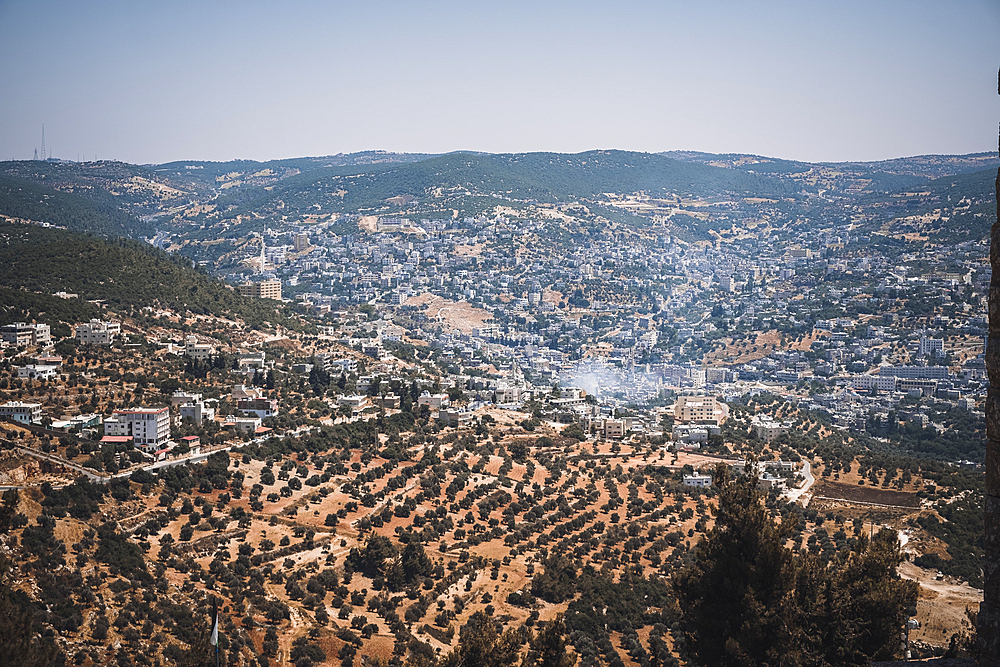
<point>36,262</point>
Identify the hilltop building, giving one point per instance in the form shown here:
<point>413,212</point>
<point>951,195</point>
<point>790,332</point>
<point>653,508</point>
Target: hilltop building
<point>700,409</point>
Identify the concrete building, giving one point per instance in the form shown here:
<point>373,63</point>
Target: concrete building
<point>267,289</point>
<point>21,333</point>
<point>766,428</point>
<point>357,402</point>
<point>243,424</point>
<point>180,397</point>
<point>689,434</point>
<point>196,350</point>
<point>931,346</point>
<point>700,409</point>
<point>196,410</point>
<point>243,392</point>
<point>700,481</point>
<point>433,401</point>
<point>37,372</point>
<point>149,427</point>
<point>255,360</point>
<point>915,372</point>
<point>454,417</point>
<point>262,407</point>
<point>97,332</point>
<point>26,413</point>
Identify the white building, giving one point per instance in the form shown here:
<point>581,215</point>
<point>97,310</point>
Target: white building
<point>931,346</point>
<point>433,401</point>
<point>700,409</point>
<point>37,372</point>
<point>766,428</point>
<point>701,481</point>
<point>180,397</point>
<point>196,350</point>
<point>149,427</point>
<point>196,410</point>
<point>21,333</point>
<point>97,332</point>
<point>26,413</point>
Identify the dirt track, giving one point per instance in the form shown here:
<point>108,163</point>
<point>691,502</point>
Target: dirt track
<point>941,606</point>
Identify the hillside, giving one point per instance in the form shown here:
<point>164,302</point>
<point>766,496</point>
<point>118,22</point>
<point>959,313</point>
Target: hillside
<point>121,274</point>
<point>945,210</point>
<point>94,213</point>
<point>848,178</point>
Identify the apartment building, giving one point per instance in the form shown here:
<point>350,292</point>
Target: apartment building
<point>97,332</point>
<point>149,427</point>
<point>21,333</point>
<point>267,289</point>
<point>26,413</point>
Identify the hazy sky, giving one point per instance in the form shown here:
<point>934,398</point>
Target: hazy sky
<point>146,81</point>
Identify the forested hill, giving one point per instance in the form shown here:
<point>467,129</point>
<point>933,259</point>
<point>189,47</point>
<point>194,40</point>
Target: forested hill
<point>95,213</point>
<point>36,262</point>
<point>542,177</point>
<point>848,178</point>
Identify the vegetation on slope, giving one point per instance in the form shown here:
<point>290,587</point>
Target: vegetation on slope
<point>97,213</point>
<point>122,274</point>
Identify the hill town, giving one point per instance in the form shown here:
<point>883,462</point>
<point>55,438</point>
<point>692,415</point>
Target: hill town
<point>381,407</point>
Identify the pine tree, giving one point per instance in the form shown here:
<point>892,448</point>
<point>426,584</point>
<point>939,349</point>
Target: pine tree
<point>736,597</point>
<point>748,600</point>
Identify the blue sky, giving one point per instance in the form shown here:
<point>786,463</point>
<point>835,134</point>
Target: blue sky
<point>151,82</point>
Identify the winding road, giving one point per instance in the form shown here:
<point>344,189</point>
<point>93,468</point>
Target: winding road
<point>795,494</point>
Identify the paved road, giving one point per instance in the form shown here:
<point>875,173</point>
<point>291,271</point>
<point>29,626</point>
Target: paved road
<point>795,494</point>
<point>153,467</point>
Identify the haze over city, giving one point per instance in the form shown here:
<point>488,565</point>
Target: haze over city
<point>548,334</point>
<point>150,83</point>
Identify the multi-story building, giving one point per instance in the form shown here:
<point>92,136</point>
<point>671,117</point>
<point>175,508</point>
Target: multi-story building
<point>267,289</point>
<point>196,350</point>
<point>701,481</point>
<point>26,413</point>
<point>97,332</point>
<point>433,401</point>
<point>180,397</point>
<point>38,372</point>
<point>916,372</point>
<point>149,427</point>
<point>766,428</point>
<point>262,407</point>
<point>699,409</point>
<point>21,333</point>
<point>196,410</point>
<point>931,346</point>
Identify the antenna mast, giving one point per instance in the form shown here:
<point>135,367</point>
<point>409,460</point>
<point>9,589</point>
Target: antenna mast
<point>43,141</point>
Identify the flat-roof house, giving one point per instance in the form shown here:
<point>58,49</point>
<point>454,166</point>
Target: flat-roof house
<point>26,413</point>
<point>149,427</point>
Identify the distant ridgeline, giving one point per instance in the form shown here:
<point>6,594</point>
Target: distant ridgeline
<point>211,208</point>
<point>36,262</point>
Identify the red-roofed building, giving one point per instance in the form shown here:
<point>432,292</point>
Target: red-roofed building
<point>117,439</point>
